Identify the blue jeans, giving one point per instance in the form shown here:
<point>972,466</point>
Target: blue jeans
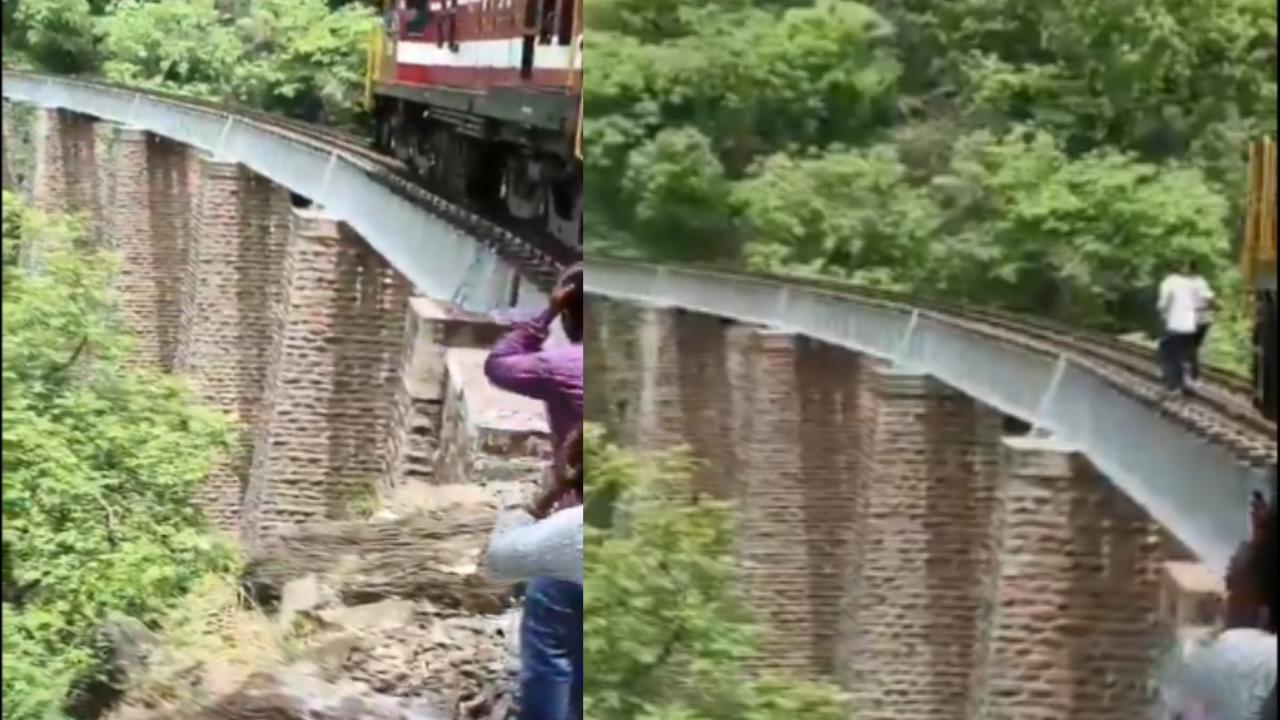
<point>551,651</point>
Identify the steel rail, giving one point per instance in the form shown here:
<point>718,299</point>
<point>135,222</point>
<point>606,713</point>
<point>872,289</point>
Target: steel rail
<point>446,249</point>
<point>1193,465</point>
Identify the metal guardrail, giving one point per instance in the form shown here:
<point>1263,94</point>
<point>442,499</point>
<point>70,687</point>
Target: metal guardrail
<point>440,260</point>
<point>1197,489</point>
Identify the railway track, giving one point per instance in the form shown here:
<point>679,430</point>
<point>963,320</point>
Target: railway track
<point>1220,410</point>
<point>539,258</point>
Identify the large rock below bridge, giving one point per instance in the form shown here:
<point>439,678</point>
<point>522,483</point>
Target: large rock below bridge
<point>434,556</point>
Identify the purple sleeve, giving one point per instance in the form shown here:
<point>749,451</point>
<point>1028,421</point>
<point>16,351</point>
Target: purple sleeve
<point>516,363</point>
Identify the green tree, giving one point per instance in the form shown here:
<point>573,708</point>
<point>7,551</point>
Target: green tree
<point>303,59</point>
<point>1052,157</point>
<point>99,465</point>
<point>1083,239</point>
<point>294,57</point>
<point>56,34</point>
<point>664,632</point>
<point>184,47</point>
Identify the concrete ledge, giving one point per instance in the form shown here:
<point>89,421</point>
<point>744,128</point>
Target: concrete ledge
<point>1191,595</point>
<point>488,435</point>
<point>1037,458</point>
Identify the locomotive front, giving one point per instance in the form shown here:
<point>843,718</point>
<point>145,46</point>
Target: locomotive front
<point>482,99</point>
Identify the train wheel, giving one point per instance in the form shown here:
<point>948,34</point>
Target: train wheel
<point>383,130</point>
<point>483,169</point>
<point>564,216</point>
<point>402,134</point>
<point>433,159</point>
<point>524,196</point>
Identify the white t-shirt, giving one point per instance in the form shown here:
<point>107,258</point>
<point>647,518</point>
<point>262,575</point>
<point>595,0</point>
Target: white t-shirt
<point>1179,300</point>
<point>1204,301</point>
<point>1227,677</point>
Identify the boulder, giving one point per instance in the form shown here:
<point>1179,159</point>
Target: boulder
<point>132,643</point>
<point>430,555</point>
<point>304,596</point>
<point>298,693</point>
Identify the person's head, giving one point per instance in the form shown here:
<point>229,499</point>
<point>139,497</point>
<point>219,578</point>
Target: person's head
<point>571,315</point>
<point>1251,589</point>
<point>1189,266</point>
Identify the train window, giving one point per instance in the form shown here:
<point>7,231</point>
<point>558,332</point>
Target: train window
<point>531,14</point>
<point>418,17</point>
<point>565,29</point>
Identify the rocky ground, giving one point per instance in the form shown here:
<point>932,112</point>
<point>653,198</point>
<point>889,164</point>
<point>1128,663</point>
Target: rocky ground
<point>385,620</point>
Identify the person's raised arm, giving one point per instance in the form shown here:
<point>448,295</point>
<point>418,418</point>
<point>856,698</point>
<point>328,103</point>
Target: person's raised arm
<point>516,363</point>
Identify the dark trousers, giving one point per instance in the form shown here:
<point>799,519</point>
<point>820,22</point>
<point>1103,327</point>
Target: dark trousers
<point>1176,353</point>
<point>551,651</point>
<point>1202,332</point>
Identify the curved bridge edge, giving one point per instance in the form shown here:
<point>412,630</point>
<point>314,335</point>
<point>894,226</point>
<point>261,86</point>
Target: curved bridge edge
<point>1198,491</point>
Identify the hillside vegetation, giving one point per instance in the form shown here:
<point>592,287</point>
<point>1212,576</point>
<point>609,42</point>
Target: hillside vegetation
<point>301,58</point>
<point>99,464</point>
<point>666,635</point>
<point>1053,157</point>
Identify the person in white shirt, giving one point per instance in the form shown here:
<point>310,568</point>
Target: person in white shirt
<point>1206,300</point>
<point>1179,299</point>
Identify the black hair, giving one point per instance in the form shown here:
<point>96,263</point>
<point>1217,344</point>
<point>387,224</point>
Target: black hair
<point>1262,563</point>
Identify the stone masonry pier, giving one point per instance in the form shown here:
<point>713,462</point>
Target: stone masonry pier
<point>343,384</point>
<point>906,541</point>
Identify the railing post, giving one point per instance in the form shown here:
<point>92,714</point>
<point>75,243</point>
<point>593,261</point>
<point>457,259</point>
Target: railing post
<point>1050,392</point>
<point>904,345</point>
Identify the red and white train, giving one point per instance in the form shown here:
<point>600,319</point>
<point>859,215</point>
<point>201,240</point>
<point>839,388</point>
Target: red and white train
<point>482,98</point>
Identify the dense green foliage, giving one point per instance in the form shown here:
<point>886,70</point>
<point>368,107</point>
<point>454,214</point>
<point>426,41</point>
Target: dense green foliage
<point>1050,156</point>
<point>302,58</point>
<point>664,632</point>
<point>99,465</point>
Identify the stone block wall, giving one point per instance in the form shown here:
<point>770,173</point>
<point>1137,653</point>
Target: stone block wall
<point>417,413</point>
<point>774,530</point>
<point>148,266</point>
<point>332,367</point>
<point>883,537</point>
<point>612,344</point>
<point>911,630</point>
<point>487,435</point>
<point>65,158</point>
<point>284,319</point>
<point>219,313</point>
<point>1076,630</point>
<point>827,384</point>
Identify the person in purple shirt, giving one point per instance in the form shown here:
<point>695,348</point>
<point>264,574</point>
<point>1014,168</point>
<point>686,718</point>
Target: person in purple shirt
<point>551,629</point>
